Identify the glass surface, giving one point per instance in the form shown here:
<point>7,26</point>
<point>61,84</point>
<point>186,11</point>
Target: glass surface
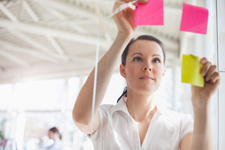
<point>221,34</point>
<point>5,96</point>
<point>172,94</point>
<point>115,89</point>
<point>73,90</point>
<point>221,59</point>
<point>73,138</point>
<point>37,126</point>
<point>3,120</point>
<point>39,95</point>
<point>42,104</point>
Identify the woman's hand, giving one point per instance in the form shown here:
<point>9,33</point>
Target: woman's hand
<point>202,95</point>
<point>125,18</point>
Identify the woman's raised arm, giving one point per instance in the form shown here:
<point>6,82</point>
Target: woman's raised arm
<point>201,138</point>
<point>82,110</point>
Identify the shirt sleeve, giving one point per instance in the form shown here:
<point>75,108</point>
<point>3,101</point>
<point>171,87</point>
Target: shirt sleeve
<point>187,124</point>
<point>103,113</point>
<point>57,145</point>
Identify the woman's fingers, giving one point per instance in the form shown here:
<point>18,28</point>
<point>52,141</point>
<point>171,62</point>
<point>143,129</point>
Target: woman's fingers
<point>205,68</point>
<point>203,60</point>
<point>142,1</point>
<point>124,19</point>
<point>215,77</point>
<point>117,4</point>
<point>211,71</point>
<point>130,17</point>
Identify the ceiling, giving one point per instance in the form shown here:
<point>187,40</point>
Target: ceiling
<point>40,37</point>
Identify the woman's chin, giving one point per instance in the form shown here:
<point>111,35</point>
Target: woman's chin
<point>147,90</point>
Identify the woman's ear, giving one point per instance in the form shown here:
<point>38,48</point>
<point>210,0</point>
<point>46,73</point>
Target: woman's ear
<point>122,71</point>
<point>164,72</point>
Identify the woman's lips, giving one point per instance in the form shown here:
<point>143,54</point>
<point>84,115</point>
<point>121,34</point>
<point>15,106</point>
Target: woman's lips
<point>146,78</point>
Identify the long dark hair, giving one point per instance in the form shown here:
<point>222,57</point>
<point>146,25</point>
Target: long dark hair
<point>126,50</point>
<point>123,95</point>
<point>55,130</point>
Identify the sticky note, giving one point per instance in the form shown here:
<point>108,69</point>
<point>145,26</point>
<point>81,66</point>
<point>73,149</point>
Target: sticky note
<point>194,19</point>
<point>190,72</point>
<point>150,13</point>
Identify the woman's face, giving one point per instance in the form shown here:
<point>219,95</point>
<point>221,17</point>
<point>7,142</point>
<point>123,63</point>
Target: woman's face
<point>144,67</point>
<point>50,135</point>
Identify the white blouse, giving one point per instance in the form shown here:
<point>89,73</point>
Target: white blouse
<point>118,130</point>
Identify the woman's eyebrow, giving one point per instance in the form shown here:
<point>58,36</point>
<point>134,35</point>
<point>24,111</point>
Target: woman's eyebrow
<point>137,53</point>
<point>156,55</point>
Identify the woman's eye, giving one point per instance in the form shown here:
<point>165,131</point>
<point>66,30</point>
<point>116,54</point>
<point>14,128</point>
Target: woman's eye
<point>137,59</point>
<point>156,60</point>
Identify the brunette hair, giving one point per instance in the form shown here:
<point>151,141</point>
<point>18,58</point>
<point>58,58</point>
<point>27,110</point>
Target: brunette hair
<point>55,130</point>
<point>126,50</point>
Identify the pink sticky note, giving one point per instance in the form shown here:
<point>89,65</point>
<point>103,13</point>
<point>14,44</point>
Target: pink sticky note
<point>194,19</point>
<point>150,13</point>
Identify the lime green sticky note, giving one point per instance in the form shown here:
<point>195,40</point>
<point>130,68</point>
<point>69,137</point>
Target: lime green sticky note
<point>191,70</point>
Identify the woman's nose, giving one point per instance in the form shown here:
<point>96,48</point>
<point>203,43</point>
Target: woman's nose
<point>147,68</point>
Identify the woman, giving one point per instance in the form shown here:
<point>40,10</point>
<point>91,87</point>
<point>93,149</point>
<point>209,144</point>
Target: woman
<point>138,123</point>
<point>54,134</point>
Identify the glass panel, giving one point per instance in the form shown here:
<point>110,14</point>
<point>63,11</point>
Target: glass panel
<point>37,126</point>
<point>164,93</point>
<point>39,95</point>
<point>115,89</point>
<point>211,53</point>
<point>73,138</point>
<point>3,120</point>
<point>52,101</point>
<point>221,131</point>
<point>73,90</point>
<point>221,55</point>
<point>172,93</point>
<point>5,96</point>
<point>221,33</point>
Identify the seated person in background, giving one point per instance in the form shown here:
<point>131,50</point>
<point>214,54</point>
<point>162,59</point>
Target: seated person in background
<point>54,134</point>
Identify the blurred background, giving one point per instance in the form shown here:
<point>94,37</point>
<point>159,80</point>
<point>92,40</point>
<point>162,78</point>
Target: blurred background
<point>48,48</point>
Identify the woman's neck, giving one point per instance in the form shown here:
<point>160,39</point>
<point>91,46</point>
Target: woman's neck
<point>140,106</point>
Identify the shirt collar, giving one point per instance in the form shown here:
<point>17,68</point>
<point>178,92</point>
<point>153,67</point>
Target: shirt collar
<point>122,106</point>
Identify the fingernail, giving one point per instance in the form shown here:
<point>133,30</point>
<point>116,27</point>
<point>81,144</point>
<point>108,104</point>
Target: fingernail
<point>202,73</point>
<point>203,61</point>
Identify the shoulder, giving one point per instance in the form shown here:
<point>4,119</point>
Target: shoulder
<point>105,110</point>
<point>175,117</point>
<point>104,114</point>
<point>106,107</point>
<point>183,122</point>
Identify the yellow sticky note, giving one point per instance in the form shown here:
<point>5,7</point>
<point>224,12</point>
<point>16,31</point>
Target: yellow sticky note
<point>191,70</point>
